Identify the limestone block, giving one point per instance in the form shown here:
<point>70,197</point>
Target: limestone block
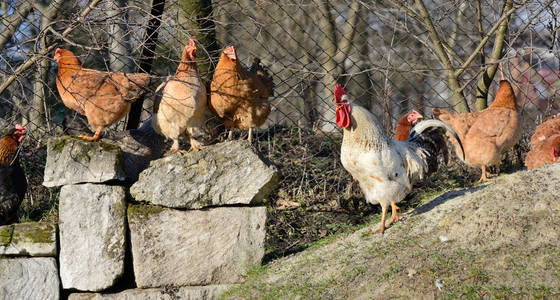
<point>29,278</point>
<point>221,174</point>
<point>92,236</point>
<point>28,239</point>
<point>195,247</point>
<point>71,160</point>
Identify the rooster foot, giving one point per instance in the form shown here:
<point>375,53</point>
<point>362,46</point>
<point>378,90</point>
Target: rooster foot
<point>394,213</point>
<point>382,227</point>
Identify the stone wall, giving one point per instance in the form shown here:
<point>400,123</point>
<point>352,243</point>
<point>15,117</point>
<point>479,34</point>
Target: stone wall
<point>189,228</point>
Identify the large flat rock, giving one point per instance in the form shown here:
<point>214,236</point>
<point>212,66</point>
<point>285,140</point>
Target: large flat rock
<point>29,278</point>
<point>71,160</point>
<point>195,247</point>
<point>221,174</point>
<point>209,292</point>
<point>28,239</point>
<point>92,236</point>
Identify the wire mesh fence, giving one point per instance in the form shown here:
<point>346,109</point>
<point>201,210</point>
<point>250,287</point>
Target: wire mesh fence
<point>392,56</point>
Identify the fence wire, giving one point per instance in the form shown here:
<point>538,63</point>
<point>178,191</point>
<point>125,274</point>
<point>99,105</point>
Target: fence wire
<point>383,52</point>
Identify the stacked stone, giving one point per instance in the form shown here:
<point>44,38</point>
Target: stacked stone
<point>92,211</point>
<point>199,228</point>
<point>28,261</point>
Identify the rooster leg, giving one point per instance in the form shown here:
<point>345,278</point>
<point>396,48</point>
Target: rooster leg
<point>394,214</point>
<point>95,137</point>
<point>250,138</point>
<point>230,135</point>
<point>381,228</point>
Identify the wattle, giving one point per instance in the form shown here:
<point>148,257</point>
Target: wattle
<point>343,116</point>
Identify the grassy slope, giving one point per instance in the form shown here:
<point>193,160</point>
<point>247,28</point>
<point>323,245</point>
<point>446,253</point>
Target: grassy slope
<point>504,242</point>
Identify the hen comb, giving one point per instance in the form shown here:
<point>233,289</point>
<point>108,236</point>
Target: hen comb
<point>19,127</point>
<point>338,92</point>
<point>192,41</point>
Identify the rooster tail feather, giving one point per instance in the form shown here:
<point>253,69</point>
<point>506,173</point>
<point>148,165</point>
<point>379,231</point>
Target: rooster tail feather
<point>416,165</point>
<point>427,124</point>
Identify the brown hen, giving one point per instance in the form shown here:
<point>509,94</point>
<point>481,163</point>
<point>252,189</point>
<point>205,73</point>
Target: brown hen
<point>240,96</point>
<point>546,129</point>
<point>488,133</point>
<point>405,124</point>
<point>103,97</point>
<point>545,144</point>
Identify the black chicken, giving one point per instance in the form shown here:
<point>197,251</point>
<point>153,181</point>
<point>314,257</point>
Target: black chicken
<point>12,179</point>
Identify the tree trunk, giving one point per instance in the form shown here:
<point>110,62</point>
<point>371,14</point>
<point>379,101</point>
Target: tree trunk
<point>118,40</point>
<point>12,22</point>
<point>197,16</point>
<point>147,57</point>
<point>119,47</point>
<point>360,81</point>
<point>38,110</point>
<point>486,77</point>
<point>334,53</point>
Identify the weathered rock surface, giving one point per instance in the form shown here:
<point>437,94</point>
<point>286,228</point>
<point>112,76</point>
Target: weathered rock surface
<point>221,174</point>
<point>194,247</point>
<point>170,293</point>
<point>71,160</point>
<point>139,146</point>
<point>29,278</point>
<point>92,236</point>
<point>28,239</point>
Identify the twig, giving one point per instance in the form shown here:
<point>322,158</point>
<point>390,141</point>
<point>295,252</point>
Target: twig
<point>42,54</point>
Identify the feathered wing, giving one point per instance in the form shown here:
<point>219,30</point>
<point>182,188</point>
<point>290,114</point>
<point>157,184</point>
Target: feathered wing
<point>87,83</point>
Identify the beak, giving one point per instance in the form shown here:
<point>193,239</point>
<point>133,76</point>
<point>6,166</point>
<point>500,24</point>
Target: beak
<point>420,116</point>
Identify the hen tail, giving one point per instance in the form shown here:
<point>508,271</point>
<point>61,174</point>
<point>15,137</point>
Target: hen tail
<point>262,73</point>
<point>135,85</point>
<point>429,136</point>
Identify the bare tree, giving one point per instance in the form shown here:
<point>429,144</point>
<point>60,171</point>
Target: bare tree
<point>443,51</point>
<point>38,110</point>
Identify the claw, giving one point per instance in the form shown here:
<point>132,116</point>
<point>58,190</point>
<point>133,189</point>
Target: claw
<point>93,138</point>
<point>382,227</point>
<point>486,175</point>
<point>193,148</point>
<point>394,214</point>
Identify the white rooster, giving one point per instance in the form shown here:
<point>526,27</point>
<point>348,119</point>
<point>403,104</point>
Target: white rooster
<point>385,168</point>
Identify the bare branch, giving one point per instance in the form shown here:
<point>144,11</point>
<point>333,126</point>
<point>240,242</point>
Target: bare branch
<point>47,50</point>
<point>483,42</point>
<point>459,99</point>
<point>13,22</point>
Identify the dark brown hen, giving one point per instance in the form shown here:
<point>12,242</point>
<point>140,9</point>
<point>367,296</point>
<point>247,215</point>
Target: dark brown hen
<point>12,178</point>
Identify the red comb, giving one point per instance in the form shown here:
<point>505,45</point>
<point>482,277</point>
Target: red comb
<point>192,41</point>
<point>19,127</point>
<point>338,92</point>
